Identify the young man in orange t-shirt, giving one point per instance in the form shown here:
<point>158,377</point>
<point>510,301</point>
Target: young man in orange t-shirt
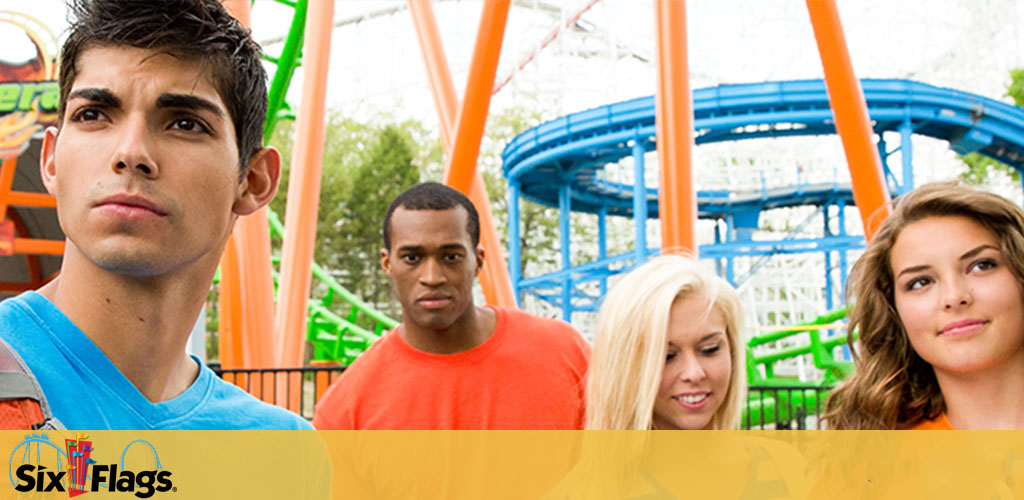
<point>452,364</point>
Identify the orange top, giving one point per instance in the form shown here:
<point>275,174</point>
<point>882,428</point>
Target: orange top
<point>941,423</point>
<point>528,375</point>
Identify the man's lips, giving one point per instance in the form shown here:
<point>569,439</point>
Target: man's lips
<point>434,301</point>
<point>962,327</point>
<point>131,205</point>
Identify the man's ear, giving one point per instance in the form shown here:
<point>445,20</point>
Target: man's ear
<point>385,261</point>
<point>47,162</point>
<point>479,260</point>
<point>260,182</point>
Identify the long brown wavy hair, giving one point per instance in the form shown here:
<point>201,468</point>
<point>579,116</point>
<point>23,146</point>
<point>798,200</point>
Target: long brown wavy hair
<point>893,388</point>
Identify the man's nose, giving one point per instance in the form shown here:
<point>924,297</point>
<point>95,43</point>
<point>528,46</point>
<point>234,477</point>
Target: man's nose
<point>432,274</point>
<point>134,150</point>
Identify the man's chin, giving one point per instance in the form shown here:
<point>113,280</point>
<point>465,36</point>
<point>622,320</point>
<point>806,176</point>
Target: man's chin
<point>131,264</point>
<point>435,321</point>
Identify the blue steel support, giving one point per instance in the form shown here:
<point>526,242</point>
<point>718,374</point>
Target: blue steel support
<point>564,211</point>
<point>515,258</point>
<point>730,271</point>
<point>718,240</point>
<point>593,139</point>
<point>639,200</point>
<point>882,154</point>
<point>907,154</point>
<point>828,260</point>
<point>602,245</point>
<point>843,271</point>
<point>842,253</point>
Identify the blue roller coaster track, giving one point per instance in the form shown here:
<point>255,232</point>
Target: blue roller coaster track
<point>560,164</point>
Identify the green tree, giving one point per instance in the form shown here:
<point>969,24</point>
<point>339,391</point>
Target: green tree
<point>345,141</point>
<point>365,165</point>
<point>386,170</point>
<point>979,167</point>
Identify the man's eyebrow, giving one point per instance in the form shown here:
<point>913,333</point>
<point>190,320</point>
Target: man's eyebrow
<point>102,96</point>
<point>186,101</point>
<point>421,248</point>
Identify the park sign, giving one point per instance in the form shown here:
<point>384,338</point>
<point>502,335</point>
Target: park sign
<point>29,94</point>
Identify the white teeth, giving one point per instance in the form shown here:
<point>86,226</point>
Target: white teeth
<point>692,399</point>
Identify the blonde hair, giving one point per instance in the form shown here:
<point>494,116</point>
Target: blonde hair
<point>630,346</point>
<point>893,388</point>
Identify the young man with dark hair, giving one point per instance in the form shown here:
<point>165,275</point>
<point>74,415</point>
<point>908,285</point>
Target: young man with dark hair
<point>451,364</point>
<point>158,150</point>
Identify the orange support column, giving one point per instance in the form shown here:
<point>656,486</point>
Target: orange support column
<point>677,199</point>
<point>850,112</point>
<point>304,188</point>
<point>494,278</point>
<point>229,311</point>
<point>252,308</point>
<point>469,130</point>
<point>6,179</point>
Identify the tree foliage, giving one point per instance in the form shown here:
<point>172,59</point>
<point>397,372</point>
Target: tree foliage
<point>365,165</point>
<point>386,171</point>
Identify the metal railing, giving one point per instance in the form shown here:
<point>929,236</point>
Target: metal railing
<point>296,389</point>
<point>784,407</point>
<point>299,390</point>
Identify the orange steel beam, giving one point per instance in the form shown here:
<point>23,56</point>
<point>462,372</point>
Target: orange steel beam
<point>25,199</point>
<point>252,314</point>
<point>35,272</point>
<point>304,188</point>
<point>6,179</point>
<point>677,200</point>
<point>14,287</point>
<point>445,99</point>
<point>24,246</point>
<point>850,112</point>
<point>43,247</point>
<point>19,198</point>
<point>231,352</point>
<point>494,278</point>
<point>469,129</point>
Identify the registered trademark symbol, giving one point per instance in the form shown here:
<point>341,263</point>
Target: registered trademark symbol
<point>174,488</point>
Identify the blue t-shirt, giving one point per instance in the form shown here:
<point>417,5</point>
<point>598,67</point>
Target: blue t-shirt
<point>86,391</point>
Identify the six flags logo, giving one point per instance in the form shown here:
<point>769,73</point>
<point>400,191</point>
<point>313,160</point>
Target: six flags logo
<point>75,478</point>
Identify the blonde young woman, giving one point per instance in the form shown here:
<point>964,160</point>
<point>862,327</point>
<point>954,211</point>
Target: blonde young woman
<point>938,304</point>
<point>668,352</point>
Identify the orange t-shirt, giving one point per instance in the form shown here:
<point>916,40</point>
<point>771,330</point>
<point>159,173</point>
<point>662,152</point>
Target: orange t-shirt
<point>941,423</point>
<point>529,374</point>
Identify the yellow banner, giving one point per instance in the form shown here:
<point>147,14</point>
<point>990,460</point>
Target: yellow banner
<point>513,464</point>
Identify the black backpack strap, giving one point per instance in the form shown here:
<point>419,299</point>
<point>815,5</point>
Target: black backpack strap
<point>17,382</point>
